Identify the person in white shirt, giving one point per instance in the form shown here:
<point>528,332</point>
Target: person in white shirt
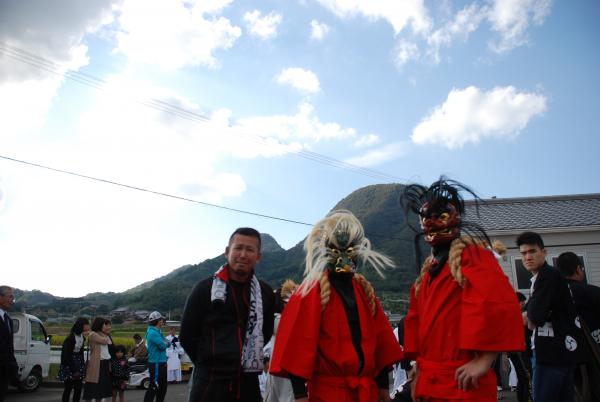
<point>174,353</point>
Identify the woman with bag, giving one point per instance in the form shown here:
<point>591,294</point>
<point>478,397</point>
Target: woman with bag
<point>98,382</point>
<point>72,366</point>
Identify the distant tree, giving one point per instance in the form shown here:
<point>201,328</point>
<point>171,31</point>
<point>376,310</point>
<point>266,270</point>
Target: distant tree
<point>117,319</point>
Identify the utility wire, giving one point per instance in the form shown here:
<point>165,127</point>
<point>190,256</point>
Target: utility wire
<point>152,191</point>
<point>159,193</point>
<point>100,84</point>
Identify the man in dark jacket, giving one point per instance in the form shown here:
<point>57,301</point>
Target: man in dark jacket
<point>8,364</point>
<point>558,341</point>
<point>587,304</point>
<point>226,322</point>
<point>587,297</point>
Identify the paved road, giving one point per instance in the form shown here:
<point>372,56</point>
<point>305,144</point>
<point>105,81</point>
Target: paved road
<point>175,393</point>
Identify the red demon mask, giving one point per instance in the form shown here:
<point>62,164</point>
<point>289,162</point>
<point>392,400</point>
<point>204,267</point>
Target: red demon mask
<point>441,225</point>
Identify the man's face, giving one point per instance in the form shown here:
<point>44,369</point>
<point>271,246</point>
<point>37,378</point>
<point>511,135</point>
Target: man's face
<point>242,255</point>
<point>534,257</point>
<point>7,300</point>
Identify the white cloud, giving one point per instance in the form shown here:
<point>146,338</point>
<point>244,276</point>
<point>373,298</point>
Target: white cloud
<point>512,18</point>
<point>470,115</point>
<point>174,33</point>
<point>463,24</point>
<point>380,155</point>
<point>399,14</point>
<point>405,51</point>
<point>299,78</point>
<point>367,140</point>
<point>318,30</point>
<point>265,27</point>
<point>53,32</point>
<point>294,130</point>
<point>32,64</point>
<point>414,28</point>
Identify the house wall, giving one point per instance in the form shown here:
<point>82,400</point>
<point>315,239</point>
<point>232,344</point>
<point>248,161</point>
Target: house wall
<point>585,243</point>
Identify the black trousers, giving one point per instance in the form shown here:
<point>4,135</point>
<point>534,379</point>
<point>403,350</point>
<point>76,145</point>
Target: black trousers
<point>524,392</point>
<point>3,384</point>
<point>8,375</point>
<point>205,388</point>
<point>158,382</point>
<point>75,386</point>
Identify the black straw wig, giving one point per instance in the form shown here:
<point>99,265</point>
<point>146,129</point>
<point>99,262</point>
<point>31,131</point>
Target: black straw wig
<point>442,192</point>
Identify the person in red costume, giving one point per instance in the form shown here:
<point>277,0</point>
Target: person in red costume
<point>463,310</point>
<point>333,334</point>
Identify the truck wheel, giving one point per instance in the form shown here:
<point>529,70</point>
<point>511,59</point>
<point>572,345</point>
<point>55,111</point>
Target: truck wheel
<point>145,383</point>
<point>32,382</point>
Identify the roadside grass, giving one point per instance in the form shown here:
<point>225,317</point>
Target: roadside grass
<point>122,334</point>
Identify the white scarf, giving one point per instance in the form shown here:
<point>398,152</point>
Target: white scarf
<point>252,354</point>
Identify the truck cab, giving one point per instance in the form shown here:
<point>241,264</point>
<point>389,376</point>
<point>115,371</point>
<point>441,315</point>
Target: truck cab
<point>32,350</point>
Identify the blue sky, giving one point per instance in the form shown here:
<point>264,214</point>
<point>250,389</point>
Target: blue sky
<point>499,94</point>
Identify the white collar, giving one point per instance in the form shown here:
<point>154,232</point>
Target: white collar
<point>2,312</point>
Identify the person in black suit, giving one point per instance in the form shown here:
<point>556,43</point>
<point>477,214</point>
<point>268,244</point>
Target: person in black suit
<point>8,364</point>
<point>558,341</point>
<point>587,303</point>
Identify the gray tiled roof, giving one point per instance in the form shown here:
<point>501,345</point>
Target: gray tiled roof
<point>536,212</point>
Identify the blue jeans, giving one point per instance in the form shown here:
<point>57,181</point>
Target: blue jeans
<point>553,383</point>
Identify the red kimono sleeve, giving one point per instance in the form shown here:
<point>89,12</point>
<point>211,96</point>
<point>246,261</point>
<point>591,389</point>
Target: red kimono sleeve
<point>490,316</point>
<point>411,327</point>
<point>297,337</point>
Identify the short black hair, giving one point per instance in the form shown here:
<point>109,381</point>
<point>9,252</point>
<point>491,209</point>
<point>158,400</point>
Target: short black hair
<point>98,323</point>
<point>530,238</point>
<point>77,328</point>
<point>137,336</point>
<point>246,232</point>
<point>567,263</point>
<point>120,348</point>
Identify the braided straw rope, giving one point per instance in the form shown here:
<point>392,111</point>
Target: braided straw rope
<point>454,260</point>
<point>325,290</point>
<point>366,285</point>
<point>369,291</point>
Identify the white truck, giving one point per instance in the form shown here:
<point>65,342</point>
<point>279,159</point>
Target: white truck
<point>32,350</point>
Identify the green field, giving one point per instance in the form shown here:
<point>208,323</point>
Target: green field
<point>121,334</point>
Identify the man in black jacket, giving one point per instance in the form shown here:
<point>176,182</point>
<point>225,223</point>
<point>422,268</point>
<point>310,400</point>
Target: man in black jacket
<point>8,364</point>
<point>587,297</point>
<point>587,304</point>
<point>558,341</point>
<point>226,322</point>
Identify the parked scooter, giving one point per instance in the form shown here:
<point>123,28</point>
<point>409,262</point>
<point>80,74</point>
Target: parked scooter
<point>139,374</point>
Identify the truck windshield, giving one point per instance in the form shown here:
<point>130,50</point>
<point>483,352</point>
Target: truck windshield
<point>37,332</point>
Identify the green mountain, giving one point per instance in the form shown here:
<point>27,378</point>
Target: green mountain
<point>375,206</point>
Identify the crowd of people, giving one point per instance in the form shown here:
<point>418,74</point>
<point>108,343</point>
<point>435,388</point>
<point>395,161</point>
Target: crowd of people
<point>328,338</point>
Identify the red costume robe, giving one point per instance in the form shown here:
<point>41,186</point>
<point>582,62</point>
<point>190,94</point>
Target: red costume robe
<point>317,346</point>
<point>447,323</point>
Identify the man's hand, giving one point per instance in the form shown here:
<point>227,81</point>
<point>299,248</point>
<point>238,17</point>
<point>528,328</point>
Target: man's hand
<point>304,399</point>
<point>468,374</point>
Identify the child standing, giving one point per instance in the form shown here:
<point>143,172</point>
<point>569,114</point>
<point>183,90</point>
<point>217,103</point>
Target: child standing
<point>119,373</point>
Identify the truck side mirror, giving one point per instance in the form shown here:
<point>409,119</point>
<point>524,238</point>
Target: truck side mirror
<point>48,339</point>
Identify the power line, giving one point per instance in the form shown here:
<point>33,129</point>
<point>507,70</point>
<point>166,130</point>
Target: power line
<point>160,193</point>
<point>241,211</point>
<point>157,104</point>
